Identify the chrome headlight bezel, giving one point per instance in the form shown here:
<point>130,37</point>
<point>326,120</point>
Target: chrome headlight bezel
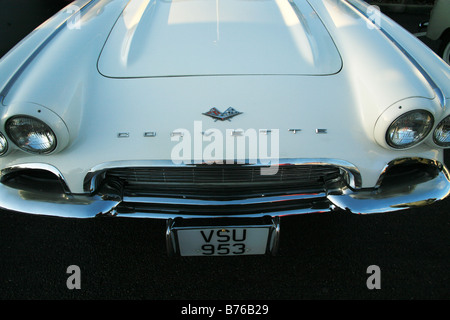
<point>389,117</point>
<point>439,127</point>
<point>43,114</point>
<point>37,129</point>
<point>416,126</point>
<point>3,144</point>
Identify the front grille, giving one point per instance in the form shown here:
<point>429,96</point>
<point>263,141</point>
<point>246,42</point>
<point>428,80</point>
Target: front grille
<point>222,182</point>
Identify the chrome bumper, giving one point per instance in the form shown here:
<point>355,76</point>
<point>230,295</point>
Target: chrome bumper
<point>378,200</point>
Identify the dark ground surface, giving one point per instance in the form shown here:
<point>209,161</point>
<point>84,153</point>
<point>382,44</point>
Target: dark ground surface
<point>322,256</point>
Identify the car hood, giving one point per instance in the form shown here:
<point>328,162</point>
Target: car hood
<point>186,38</point>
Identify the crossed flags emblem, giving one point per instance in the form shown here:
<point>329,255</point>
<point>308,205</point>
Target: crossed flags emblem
<point>222,116</point>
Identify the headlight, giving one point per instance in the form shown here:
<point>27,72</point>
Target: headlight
<point>3,144</point>
<point>409,129</point>
<point>31,134</point>
<point>441,134</point>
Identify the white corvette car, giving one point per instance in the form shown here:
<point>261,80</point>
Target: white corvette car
<point>439,27</point>
<point>221,116</point>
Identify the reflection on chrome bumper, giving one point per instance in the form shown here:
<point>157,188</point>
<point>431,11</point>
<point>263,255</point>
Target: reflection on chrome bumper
<point>60,205</point>
<point>394,198</point>
<point>385,198</point>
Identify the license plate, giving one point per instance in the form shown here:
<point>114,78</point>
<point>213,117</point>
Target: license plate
<point>223,241</point>
<point>231,240</point>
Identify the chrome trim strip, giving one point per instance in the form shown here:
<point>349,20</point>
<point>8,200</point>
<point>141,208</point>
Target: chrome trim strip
<point>439,93</point>
<point>200,202</point>
<point>4,92</point>
<point>352,174</point>
<point>165,216</point>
